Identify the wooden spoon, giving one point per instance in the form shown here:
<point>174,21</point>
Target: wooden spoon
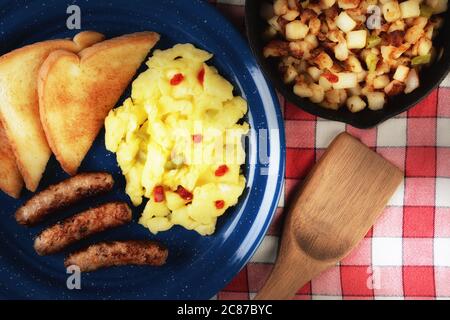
<point>339,202</point>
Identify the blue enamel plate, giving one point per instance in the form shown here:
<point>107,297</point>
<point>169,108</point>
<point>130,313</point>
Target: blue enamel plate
<point>197,267</point>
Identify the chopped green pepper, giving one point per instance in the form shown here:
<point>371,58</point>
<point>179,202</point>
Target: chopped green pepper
<point>421,59</point>
<point>371,62</point>
<point>373,41</point>
<point>426,11</point>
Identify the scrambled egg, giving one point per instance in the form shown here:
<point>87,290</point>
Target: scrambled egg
<point>178,141</point>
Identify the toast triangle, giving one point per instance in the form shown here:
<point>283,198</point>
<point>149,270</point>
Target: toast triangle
<point>19,103</point>
<point>76,92</point>
<point>11,181</point>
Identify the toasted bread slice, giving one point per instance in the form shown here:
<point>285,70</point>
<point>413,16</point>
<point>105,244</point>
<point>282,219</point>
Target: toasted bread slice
<point>76,92</point>
<point>19,102</point>
<point>11,181</point>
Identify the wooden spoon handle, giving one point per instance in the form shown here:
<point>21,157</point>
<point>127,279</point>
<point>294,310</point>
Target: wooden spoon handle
<point>292,271</point>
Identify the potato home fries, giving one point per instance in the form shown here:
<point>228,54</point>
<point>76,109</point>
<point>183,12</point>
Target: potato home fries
<point>352,52</point>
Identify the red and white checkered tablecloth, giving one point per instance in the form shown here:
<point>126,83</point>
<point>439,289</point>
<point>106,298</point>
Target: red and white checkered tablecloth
<point>407,253</point>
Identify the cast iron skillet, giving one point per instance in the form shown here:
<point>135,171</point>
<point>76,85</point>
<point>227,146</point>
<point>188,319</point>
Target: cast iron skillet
<point>430,77</point>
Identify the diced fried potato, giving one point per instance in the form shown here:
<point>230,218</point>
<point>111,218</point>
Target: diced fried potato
<point>312,41</point>
<point>315,7</point>
<point>276,48</point>
<point>323,29</point>
<point>345,22</point>
<point>421,22</point>
<point>328,105</point>
<point>290,61</point>
<point>318,93</point>
<point>331,24</point>
<point>370,79</point>
<point>354,64</point>
<point>376,100</point>
<point>314,72</point>
<point>326,4</point>
<point>336,36</point>
<point>323,61</point>
<point>342,96</point>
<point>424,46</point>
<point>341,51</point>
<point>409,22</point>
<point>380,82</point>
<point>366,3</point>
<point>403,61</point>
<point>290,74</point>
<point>398,25</point>
<point>398,51</point>
<point>356,91</point>
<point>302,66</point>
<point>305,78</point>
<point>303,90</point>
<point>364,53</point>
<point>336,68</point>
<point>280,7</point>
<point>382,68</point>
<point>333,96</point>
<point>386,52</point>
<point>361,75</point>
<point>401,73</point>
<point>294,4</point>
<point>296,30</point>
<point>366,89</point>
<point>391,11</point>
<point>358,15</point>
<point>357,39</point>
<point>429,32</point>
<point>394,88</point>
<point>412,82</point>
<point>300,49</point>
<point>325,84</point>
<point>413,34</point>
<point>273,22</point>
<point>346,80</point>
<point>348,4</point>
<point>410,9</point>
<point>355,104</point>
<point>314,26</point>
<point>307,14</point>
<point>291,15</point>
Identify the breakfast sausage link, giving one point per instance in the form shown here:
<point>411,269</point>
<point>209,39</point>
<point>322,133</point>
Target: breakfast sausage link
<point>119,253</point>
<point>62,195</point>
<point>81,226</point>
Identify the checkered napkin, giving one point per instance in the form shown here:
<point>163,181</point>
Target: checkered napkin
<point>406,255</point>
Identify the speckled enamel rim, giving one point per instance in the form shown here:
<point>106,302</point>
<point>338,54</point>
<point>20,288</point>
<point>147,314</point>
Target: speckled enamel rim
<point>197,267</point>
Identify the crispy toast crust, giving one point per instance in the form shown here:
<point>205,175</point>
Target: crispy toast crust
<point>11,181</point>
<point>77,91</point>
<point>19,106</point>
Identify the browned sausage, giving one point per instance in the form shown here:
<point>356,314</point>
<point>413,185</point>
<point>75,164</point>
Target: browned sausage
<point>119,253</point>
<point>62,195</point>
<point>83,225</point>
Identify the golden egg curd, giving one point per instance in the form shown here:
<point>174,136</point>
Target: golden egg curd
<point>178,141</point>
